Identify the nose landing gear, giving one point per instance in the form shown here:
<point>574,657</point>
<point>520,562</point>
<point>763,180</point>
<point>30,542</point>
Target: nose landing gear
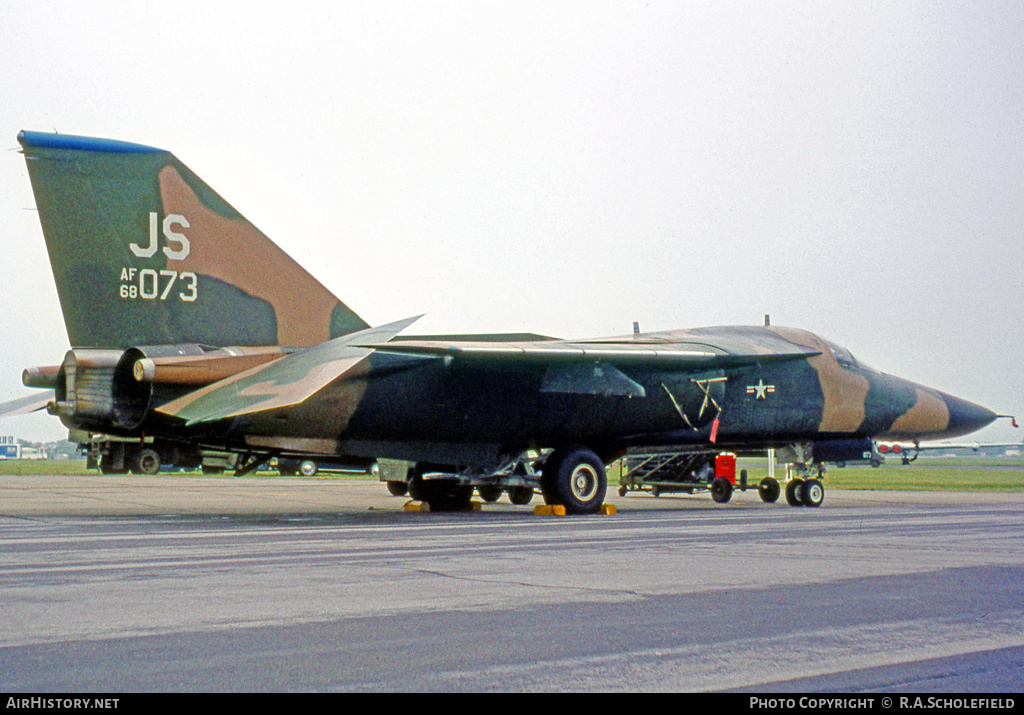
<point>805,492</point>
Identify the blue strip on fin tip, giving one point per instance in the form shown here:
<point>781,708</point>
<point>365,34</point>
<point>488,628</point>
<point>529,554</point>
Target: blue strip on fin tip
<point>52,140</point>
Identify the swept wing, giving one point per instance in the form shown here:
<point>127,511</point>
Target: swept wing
<point>285,382</point>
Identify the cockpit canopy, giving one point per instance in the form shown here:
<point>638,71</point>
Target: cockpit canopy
<point>845,358</point>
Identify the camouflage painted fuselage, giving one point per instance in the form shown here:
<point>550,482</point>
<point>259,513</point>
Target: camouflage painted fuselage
<point>161,281</point>
<point>477,413</point>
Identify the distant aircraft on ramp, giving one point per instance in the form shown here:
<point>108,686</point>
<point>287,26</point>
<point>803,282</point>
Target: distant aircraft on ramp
<point>909,452</point>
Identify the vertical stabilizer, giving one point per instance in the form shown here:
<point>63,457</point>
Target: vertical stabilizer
<point>145,253</point>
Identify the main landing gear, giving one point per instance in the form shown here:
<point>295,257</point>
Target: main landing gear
<point>575,478</point>
<point>572,476</point>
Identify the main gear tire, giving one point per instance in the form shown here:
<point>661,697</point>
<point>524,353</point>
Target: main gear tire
<point>575,478</point>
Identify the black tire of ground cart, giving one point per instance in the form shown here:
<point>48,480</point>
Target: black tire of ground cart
<point>147,461</point>
<point>721,490</point>
<point>441,494</point>
<point>489,492</point>
<point>768,489</point>
<point>520,495</point>
<point>397,488</point>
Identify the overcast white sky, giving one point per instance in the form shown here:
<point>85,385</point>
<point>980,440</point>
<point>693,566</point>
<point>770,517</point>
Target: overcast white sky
<point>852,168</point>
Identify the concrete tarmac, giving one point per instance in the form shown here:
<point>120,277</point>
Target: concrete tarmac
<point>186,494</point>
<point>181,583</point>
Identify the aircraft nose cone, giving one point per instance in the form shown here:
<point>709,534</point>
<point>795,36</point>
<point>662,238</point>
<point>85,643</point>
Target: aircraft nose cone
<point>934,414</point>
<point>965,417</point>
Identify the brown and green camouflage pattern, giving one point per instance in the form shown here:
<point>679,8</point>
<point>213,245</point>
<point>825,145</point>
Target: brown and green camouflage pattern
<point>145,254</point>
<point>472,406</point>
<point>228,285</point>
<point>283,383</point>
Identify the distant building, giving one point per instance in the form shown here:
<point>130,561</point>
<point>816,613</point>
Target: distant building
<point>10,449</point>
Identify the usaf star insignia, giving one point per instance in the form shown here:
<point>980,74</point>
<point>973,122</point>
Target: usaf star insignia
<point>761,390</point>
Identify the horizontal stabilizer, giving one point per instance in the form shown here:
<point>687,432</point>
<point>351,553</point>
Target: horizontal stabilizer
<point>25,405</point>
<point>282,383</point>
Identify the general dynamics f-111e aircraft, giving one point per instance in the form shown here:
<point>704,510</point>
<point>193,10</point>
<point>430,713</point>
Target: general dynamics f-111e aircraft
<point>192,334</point>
